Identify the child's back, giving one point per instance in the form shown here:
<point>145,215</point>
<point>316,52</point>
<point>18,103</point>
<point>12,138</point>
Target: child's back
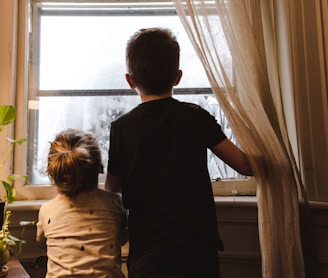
<point>82,234</point>
<point>158,160</point>
<point>83,228</point>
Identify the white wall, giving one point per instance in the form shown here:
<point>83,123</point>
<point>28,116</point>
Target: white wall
<point>7,68</point>
<point>7,50</point>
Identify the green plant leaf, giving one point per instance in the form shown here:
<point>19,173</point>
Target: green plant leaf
<point>27,223</point>
<point>14,239</point>
<point>25,177</point>
<point>9,241</point>
<point>10,191</point>
<point>13,177</point>
<point>7,114</point>
<point>17,141</point>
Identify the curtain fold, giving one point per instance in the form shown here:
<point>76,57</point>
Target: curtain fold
<point>249,93</point>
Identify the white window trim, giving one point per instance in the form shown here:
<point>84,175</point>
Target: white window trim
<point>19,22</point>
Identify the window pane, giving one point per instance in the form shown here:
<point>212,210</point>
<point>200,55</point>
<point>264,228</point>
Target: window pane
<point>77,77</point>
<point>88,52</point>
<point>95,114</point>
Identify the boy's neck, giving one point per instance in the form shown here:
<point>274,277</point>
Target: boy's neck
<point>145,98</point>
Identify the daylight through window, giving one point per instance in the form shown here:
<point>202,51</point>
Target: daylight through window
<point>77,68</point>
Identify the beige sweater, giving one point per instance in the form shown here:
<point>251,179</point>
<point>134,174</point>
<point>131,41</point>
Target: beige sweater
<point>83,236</point>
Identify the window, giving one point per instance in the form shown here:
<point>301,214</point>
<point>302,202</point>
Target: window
<point>77,68</point>
<point>14,36</point>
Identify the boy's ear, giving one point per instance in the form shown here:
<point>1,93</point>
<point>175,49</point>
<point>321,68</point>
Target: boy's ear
<point>130,81</point>
<point>177,80</point>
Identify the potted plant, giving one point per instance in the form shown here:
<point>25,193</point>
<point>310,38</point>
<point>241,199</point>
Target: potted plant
<point>7,117</point>
<point>8,241</point>
<point>5,242</point>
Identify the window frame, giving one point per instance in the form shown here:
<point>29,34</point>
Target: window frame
<point>38,192</point>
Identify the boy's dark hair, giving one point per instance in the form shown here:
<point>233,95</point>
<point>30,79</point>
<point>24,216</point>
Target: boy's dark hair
<point>152,57</point>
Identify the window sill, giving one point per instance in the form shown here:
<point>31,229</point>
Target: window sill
<point>30,205</point>
<point>251,201</point>
<point>26,205</point>
<point>246,201</point>
<point>237,186</point>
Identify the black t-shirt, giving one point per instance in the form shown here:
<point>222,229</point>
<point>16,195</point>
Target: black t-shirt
<point>159,150</point>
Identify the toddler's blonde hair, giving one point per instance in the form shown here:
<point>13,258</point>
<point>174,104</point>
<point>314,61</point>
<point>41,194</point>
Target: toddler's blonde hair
<point>74,162</point>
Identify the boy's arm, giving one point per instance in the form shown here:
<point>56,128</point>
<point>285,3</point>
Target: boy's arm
<point>113,183</point>
<point>233,156</point>
<point>125,231</point>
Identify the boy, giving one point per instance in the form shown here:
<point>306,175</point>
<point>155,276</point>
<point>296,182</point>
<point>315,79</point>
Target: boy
<point>158,160</point>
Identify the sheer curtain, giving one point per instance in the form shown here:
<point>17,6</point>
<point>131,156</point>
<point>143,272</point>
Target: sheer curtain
<point>250,96</point>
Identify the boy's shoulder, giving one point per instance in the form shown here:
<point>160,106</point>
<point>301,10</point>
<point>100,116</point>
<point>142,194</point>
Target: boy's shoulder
<point>171,109</point>
<point>157,105</point>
